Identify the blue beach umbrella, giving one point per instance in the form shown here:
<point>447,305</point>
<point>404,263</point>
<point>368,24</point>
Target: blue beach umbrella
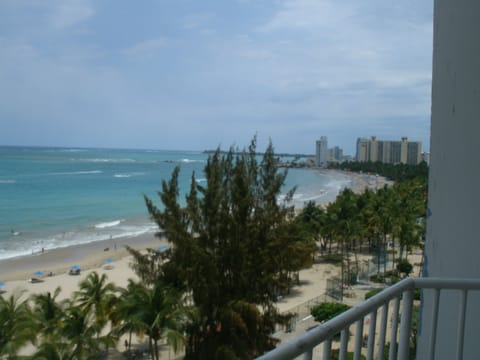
<point>39,273</point>
<point>2,283</point>
<point>162,248</point>
<point>108,260</point>
<point>75,267</point>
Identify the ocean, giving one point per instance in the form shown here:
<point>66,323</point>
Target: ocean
<point>58,197</point>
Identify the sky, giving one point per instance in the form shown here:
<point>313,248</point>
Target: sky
<point>194,75</point>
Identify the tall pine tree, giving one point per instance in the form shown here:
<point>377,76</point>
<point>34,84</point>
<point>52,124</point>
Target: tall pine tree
<point>234,248</point>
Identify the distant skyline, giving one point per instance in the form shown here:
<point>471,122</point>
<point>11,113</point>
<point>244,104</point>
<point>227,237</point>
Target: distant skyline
<point>193,75</point>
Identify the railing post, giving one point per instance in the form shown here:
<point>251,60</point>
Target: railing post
<point>433,332</point>
<point>405,323</point>
<point>383,331</point>
<point>401,292</point>
<point>461,324</point>
<point>327,348</point>
<point>393,337</point>
<point>371,334</point>
<point>358,339</point>
<point>308,355</point>
<point>343,344</point>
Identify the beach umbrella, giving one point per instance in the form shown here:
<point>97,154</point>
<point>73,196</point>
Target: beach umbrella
<point>109,262</point>
<point>75,267</point>
<point>38,273</point>
<point>162,248</point>
<point>2,283</point>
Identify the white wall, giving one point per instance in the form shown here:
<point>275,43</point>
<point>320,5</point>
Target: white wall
<point>453,227</point>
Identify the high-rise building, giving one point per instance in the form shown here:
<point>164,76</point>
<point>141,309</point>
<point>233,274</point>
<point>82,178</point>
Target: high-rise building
<point>336,154</point>
<point>363,149</point>
<point>390,152</point>
<point>321,153</point>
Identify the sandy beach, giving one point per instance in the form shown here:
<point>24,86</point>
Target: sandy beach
<point>56,263</point>
<point>89,257</point>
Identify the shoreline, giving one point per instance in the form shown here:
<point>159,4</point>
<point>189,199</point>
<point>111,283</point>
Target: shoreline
<point>92,255</point>
<point>88,256</point>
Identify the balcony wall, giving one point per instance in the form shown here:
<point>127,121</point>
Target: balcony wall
<point>453,225</point>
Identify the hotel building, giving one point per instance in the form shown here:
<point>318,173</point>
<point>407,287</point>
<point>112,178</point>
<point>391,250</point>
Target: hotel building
<point>389,152</point>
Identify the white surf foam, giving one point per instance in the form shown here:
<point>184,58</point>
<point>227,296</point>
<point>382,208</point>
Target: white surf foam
<point>105,160</point>
<point>127,175</point>
<point>77,172</point>
<point>108,224</point>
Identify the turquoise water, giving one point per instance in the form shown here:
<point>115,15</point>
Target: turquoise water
<point>56,197</point>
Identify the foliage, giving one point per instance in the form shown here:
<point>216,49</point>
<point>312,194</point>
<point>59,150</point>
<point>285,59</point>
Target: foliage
<point>332,258</point>
<point>391,276</point>
<point>371,293</point>
<point>327,311</point>
<point>404,267</point>
<point>395,172</point>
<point>86,325</point>
<point>16,326</point>
<point>234,251</point>
<point>155,311</point>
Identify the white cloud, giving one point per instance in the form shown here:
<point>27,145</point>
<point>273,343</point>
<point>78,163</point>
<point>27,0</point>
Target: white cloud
<point>309,67</point>
<point>147,47</point>
<point>69,13</point>
<point>196,21</point>
<point>308,15</point>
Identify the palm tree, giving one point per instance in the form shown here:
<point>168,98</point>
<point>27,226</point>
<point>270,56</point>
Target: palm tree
<point>48,314</point>
<point>155,311</point>
<point>81,334</point>
<point>97,297</point>
<point>125,312</point>
<point>16,325</point>
<point>58,350</point>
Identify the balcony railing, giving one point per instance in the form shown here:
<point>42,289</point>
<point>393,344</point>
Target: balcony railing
<point>400,319</point>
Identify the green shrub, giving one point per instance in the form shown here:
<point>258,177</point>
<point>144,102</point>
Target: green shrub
<point>327,311</point>
<point>404,267</point>
<point>369,294</point>
<point>331,258</point>
<point>417,294</point>
<point>377,278</point>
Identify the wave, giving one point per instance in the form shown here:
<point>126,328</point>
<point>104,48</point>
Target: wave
<point>127,175</point>
<point>188,161</point>
<point>25,246</point>
<point>72,150</point>
<point>105,160</point>
<point>201,180</point>
<point>107,224</point>
<point>77,172</point>
<point>8,181</point>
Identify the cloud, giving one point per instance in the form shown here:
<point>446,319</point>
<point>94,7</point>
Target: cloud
<point>146,47</point>
<point>69,13</point>
<point>307,15</point>
<point>197,20</point>
<point>292,70</point>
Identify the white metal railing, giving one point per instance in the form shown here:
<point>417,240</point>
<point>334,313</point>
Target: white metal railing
<point>401,294</point>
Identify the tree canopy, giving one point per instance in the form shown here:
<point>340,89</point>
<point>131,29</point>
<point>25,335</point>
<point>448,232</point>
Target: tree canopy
<point>234,251</point>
